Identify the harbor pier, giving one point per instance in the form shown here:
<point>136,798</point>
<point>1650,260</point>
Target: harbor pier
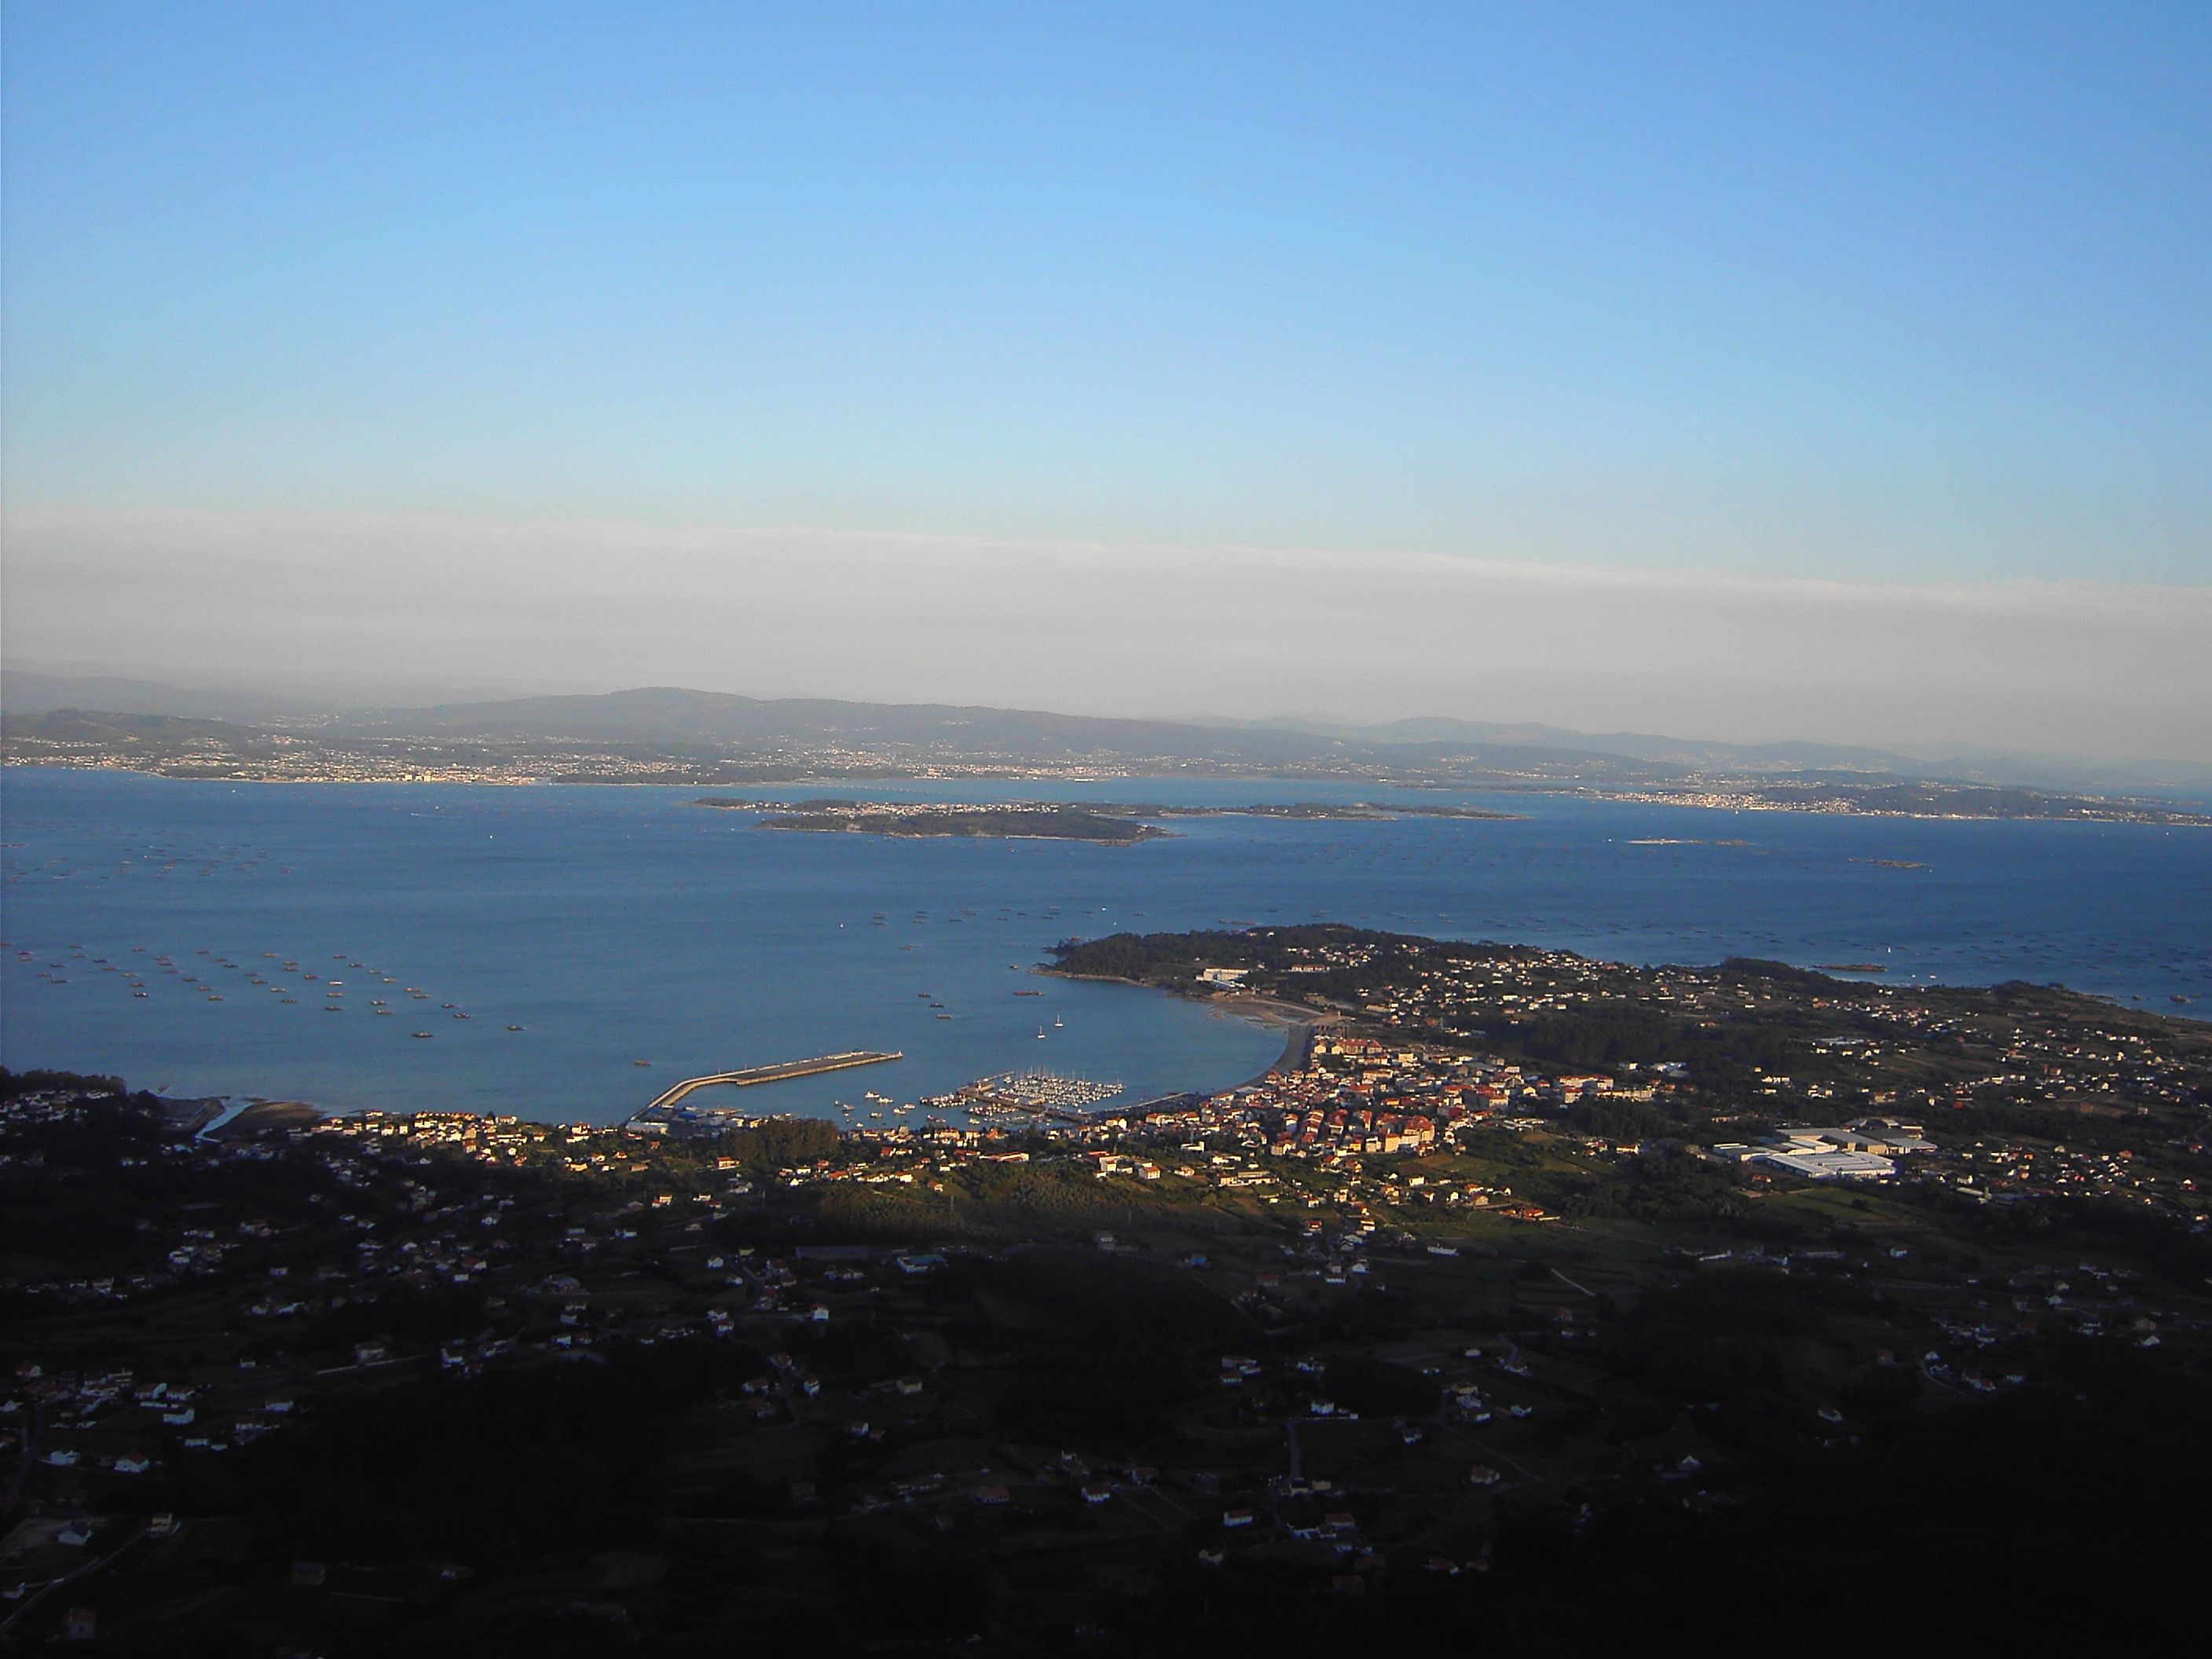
<point>662,1112</point>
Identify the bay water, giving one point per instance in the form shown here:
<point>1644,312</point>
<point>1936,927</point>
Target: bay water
<point>621,925</point>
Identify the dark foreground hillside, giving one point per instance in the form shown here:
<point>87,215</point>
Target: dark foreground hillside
<point>1539,1375</point>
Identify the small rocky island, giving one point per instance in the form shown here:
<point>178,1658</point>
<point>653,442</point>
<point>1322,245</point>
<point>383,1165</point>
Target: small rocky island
<point>1023,821</point>
<point>1109,822</point>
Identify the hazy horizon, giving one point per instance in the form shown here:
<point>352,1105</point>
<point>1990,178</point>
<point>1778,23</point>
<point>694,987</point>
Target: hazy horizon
<point>2094,670</point>
<point>1740,375</point>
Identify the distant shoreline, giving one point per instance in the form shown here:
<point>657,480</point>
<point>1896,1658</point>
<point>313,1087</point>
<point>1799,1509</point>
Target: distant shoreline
<point>1730,796</point>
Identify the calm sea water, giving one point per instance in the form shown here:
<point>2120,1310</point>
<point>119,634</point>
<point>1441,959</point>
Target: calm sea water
<point>619,925</point>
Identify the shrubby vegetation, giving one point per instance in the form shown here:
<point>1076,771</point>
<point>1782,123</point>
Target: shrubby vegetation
<point>512,1464</point>
<point>12,1084</point>
<point>780,1143</point>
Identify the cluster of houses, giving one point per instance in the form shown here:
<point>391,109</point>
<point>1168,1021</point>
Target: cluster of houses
<point>1363,1097</point>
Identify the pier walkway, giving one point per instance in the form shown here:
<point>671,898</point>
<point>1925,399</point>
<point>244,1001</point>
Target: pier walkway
<point>666,1102</point>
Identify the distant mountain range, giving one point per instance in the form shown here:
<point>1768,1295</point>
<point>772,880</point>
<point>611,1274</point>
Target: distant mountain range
<point>681,724</point>
<point>666,714</point>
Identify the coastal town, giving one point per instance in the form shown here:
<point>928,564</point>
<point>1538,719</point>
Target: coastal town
<point>1425,1316</point>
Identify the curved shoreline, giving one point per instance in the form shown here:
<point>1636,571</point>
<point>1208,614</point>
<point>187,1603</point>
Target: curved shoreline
<point>1298,1023</point>
<point>1297,1046</point>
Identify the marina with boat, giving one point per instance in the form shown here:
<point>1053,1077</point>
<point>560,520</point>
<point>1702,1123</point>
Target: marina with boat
<point>1030,1095</point>
<point>1027,1095</point>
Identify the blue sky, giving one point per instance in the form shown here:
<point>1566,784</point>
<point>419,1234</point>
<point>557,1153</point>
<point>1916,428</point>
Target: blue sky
<point>1860,293</point>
